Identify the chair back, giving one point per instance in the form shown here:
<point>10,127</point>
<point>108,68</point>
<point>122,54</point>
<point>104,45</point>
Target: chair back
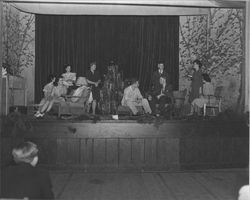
<point>180,94</point>
<point>179,97</point>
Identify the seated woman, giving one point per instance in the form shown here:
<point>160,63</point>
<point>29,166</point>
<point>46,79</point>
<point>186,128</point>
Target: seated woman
<point>60,91</point>
<point>205,95</point>
<point>162,96</point>
<point>69,78</point>
<point>82,92</point>
<point>47,102</point>
<point>78,102</point>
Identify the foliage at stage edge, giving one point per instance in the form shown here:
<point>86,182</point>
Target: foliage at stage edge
<point>15,125</point>
<point>18,36</point>
<point>217,40</point>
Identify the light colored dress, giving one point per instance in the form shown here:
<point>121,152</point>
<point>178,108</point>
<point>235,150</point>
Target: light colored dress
<point>82,92</point>
<point>48,91</point>
<point>206,91</point>
<point>59,92</point>
<point>69,78</point>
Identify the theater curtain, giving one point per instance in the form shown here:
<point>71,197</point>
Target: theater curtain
<point>135,43</point>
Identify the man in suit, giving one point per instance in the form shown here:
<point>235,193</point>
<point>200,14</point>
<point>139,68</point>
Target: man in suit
<point>156,85</point>
<point>161,72</point>
<point>22,179</point>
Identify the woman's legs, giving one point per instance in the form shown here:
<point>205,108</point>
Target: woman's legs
<point>45,106</point>
<point>50,105</point>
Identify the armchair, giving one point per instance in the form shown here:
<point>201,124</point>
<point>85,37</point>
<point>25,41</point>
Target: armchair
<point>75,104</point>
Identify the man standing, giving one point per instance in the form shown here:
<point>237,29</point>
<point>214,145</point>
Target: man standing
<point>132,97</point>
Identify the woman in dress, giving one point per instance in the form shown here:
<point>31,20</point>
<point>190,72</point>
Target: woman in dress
<point>46,103</point>
<point>60,90</point>
<point>206,93</point>
<point>196,81</point>
<point>69,78</point>
<point>94,80</point>
<point>82,93</point>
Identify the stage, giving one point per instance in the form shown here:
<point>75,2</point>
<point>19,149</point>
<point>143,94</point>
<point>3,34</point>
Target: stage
<point>135,145</point>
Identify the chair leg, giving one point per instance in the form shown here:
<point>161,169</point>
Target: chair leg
<point>213,111</point>
<point>204,110</point>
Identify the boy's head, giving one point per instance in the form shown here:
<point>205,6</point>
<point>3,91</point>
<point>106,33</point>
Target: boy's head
<point>25,152</point>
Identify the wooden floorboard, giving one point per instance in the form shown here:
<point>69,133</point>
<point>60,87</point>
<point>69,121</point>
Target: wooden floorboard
<point>206,185</point>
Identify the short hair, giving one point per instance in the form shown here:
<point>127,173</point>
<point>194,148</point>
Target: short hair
<point>198,62</point>
<point>93,63</point>
<point>160,63</point>
<point>67,65</point>
<point>133,80</point>
<point>24,152</point>
<point>206,77</point>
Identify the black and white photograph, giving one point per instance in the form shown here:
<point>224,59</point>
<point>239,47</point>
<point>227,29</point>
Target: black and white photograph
<point>124,99</point>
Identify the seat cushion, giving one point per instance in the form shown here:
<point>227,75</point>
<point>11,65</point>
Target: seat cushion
<point>70,108</point>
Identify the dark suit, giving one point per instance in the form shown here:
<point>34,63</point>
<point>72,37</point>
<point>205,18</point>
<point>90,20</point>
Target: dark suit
<point>23,180</point>
<point>167,98</point>
<point>156,79</point>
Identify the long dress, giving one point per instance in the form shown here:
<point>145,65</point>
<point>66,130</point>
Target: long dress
<point>195,85</point>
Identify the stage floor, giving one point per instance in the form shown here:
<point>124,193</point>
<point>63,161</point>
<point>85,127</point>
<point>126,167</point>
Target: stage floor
<point>199,185</point>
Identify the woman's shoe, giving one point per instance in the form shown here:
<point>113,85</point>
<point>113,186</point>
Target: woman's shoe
<point>37,114</point>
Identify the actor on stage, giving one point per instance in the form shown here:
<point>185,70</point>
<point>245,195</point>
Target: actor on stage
<point>22,179</point>
<point>162,96</point>
<point>94,79</point>
<point>206,93</point>
<point>82,93</point>
<point>69,77</point>
<point>196,83</point>
<point>46,103</point>
<point>161,72</point>
<point>60,90</point>
<point>132,97</point>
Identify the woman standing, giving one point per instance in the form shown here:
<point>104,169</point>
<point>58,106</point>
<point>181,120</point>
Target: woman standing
<point>94,79</point>
<point>196,81</point>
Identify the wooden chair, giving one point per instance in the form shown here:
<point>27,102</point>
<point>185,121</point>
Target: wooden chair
<point>214,101</point>
<point>179,99</point>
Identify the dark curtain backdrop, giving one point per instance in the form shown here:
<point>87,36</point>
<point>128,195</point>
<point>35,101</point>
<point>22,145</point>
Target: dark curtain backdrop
<point>135,43</point>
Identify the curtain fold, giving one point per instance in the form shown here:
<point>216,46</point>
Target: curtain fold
<point>135,43</point>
